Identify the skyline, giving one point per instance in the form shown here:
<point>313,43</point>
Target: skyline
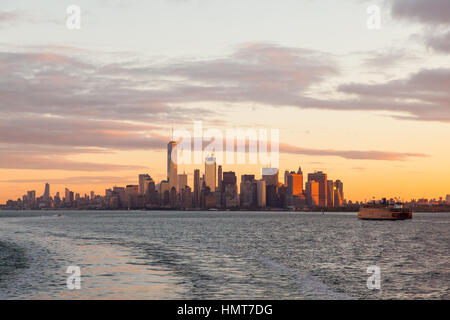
<point>325,191</point>
<point>214,190</point>
<point>91,107</point>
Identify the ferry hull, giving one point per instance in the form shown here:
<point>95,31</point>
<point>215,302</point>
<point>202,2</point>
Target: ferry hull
<point>384,214</point>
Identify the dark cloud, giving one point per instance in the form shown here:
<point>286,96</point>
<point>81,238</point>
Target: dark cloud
<point>424,11</point>
<point>56,84</point>
<point>434,14</point>
<point>424,95</point>
<point>440,42</point>
<point>268,74</point>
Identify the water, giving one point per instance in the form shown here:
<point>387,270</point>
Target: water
<point>222,255</point>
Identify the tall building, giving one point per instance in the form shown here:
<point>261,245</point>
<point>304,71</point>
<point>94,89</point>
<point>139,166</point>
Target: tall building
<point>186,197</point>
<point>230,190</point>
<point>270,176</point>
<point>92,195</point>
<point>67,196</point>
<point>47,192</point>
<point>321,178</point>
<point>164,192</point>
<point>182,181</point>
<point>447,199</point>
<point>219,184</point>
<point>197,188</point>
<point>248,196</point>
<point>330,193</point>
<point>210,173</point>
<point>229,178</point>
<point>31,196</point>
<point>121,196</point>
<point>131,194</point>
<point>312,193</point>
<point>172,166</point>
<point>338,193</point>
<point>261,193</point>
<point>286,173</point>
<point>149,187</point>
<point>142,179</point>
<point>295,183</point>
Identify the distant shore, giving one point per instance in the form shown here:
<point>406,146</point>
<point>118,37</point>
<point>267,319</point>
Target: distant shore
<point>424,209</point>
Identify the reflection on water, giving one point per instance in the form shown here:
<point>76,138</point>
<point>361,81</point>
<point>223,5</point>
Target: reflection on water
<point>221,255</point>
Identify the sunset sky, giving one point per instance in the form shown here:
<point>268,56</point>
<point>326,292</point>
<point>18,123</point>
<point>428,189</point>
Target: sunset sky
<point>92,108</point>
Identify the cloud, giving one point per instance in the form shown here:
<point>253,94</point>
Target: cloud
<point>388,58</point>
<point>351,154</point>
<point>8,17</point>
<point>36,162</point>
<point>59,100</point>
<point>108,135</point>
<point>423,95</point>
<point>425,11</point>
<point>435,14</point>
<point>62,85</point>
<point>66,86</point>
<point>440,42</point>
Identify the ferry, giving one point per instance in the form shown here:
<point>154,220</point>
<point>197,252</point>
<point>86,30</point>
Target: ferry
<point>383,212</point>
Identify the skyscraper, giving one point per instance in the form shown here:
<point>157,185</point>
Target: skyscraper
<point>67,196</point>
<point>270,176</point>
<point>330,193</point>
<point>229,178</point>
<point>31,196</point>
<point>261,193</point>
<point>47,192</point>
<point>312,193</point>
<point>447,199</point>
<point>321,178</point>
<point>219,185</point>
<point>197,188</point>
<point>210,173</point>
<point>164,192</point>
<point>286,173</point>
<point>142,179</point>
<point>230,189</point>
<point>172,167</point>
<point>248,196</point>
<point>338,193</point>
<point>295,183</point>
<point>182,181</point>
<point>131,194</point>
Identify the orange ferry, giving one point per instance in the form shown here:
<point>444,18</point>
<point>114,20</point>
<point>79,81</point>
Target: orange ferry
<point>382,212</point>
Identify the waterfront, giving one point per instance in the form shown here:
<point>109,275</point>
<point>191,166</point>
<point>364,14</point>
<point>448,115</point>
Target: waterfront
<point>221,255</point>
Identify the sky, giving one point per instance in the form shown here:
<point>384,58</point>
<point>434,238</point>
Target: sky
<point>93,107</point>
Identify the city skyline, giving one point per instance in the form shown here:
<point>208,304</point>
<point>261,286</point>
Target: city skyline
<point>90,108</point>
<point>316,191</point>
